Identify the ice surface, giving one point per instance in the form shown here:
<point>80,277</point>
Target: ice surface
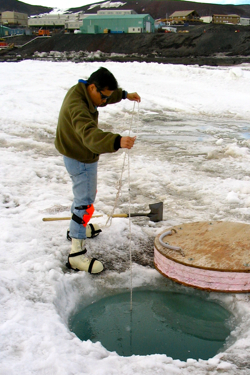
<point>192,153</point>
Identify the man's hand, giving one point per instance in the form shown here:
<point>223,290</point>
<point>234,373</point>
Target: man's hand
<point>134,97</point>
<point>127,142</point>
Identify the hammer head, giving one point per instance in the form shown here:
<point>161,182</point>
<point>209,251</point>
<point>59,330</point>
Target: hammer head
<point>156,212</point>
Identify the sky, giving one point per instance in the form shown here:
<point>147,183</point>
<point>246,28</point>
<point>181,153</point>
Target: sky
<point>65,4</point>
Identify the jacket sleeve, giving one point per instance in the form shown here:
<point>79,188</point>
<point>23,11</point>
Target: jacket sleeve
<point>116,97</point>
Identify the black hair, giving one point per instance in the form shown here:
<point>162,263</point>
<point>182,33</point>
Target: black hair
<point>103,79</point>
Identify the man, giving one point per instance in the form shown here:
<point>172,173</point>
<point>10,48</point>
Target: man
<point>80,141</point>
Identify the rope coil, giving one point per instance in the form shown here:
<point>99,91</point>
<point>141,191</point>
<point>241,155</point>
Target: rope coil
<point>119,182</point>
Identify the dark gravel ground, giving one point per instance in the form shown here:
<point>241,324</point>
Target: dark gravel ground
<point>202,45</point>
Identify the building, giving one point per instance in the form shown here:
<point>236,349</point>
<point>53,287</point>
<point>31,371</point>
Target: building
<point>69,22</point>
<point>10,18</point>
<point>4,31</point>
<point>244,21</point>
<point>226,18</point>
<point>74,22</point>
<point>98,24</point>
<point>12,31</point>
<point>116,12</point>
<point>207,19</point>
<point>169,29</point>
<point>182,16</point>
<point>48,20</point>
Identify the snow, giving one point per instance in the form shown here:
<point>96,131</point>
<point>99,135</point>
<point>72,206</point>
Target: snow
<point>107,4</point>
<point>192,153</point>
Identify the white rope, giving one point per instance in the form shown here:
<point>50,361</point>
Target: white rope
<point>130,237</point>
<point>109,220</point>
<point>129,215</point>
<point>110,216</point>
<point>170,247</point>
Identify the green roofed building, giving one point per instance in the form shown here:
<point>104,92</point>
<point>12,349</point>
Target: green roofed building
<point>129,23</point>
<point>4,31</point>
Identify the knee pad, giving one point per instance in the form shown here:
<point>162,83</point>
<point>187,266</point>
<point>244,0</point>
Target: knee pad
<point>87,216</point>
<point>89,210</point>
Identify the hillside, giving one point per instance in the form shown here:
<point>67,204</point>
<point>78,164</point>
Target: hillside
<point>19,6</point>
<point>159,8</point>
<point>156,8</point>
<point>203,45</point>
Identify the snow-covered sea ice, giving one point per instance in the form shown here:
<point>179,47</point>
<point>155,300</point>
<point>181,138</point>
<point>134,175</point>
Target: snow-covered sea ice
<point>192,153</point>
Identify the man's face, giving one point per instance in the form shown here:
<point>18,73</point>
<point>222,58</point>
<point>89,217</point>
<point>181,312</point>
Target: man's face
<point>97,96</point>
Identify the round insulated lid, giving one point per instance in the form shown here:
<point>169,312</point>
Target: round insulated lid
<point>214,245</point>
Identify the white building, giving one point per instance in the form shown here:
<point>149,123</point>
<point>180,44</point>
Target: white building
<point>70,21</point>
<point>74,21</point>
<point>14,18</point>
<point>112,12</point>
<point>169,29</point>
<point>48,20</point>
<point>244,21</point>
<point>207,19</point>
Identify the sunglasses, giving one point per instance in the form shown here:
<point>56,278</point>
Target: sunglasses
<point>103,97</point>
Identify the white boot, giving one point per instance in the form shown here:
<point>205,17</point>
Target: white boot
<point>92,230</point>
<point>79,262</point>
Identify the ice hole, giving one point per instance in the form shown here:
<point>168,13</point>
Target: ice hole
<point>179,325</point>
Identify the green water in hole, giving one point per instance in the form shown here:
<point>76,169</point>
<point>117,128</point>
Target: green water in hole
<point>178,325</point>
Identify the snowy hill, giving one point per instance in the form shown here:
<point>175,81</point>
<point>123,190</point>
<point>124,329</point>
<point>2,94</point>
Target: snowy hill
<point>161,8</point>
<point>156,8</point>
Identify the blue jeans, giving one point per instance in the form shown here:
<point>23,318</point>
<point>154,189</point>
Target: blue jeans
<point>84,179</point>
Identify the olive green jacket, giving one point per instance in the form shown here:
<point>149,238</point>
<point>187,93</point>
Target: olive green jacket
<point>77,135</point>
